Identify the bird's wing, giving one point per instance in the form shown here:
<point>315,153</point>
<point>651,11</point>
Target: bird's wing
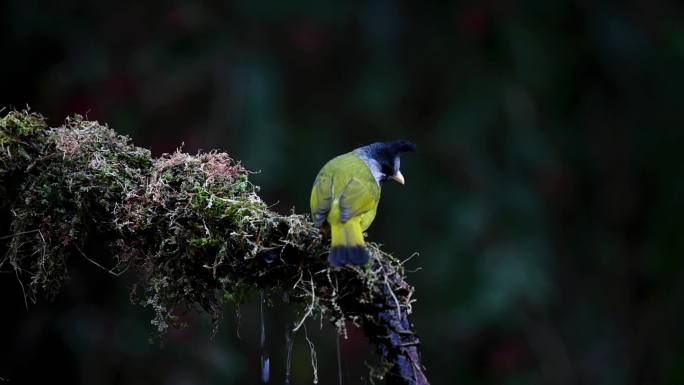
<point>321,198</point>
<point>360,195</point>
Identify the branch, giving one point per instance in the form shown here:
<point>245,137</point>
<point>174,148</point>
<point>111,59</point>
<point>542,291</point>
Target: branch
<point>192,226</point>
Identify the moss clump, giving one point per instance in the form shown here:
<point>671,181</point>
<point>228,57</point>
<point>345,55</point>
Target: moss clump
<point>64,193</point>
<point>192,225</point>
<point>16,128</point>
<point>18,147</point>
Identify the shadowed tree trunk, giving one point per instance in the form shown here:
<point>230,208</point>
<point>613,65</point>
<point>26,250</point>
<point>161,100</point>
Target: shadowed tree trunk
<point>192,227</point>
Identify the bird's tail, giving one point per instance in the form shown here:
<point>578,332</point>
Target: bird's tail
<point>348,246</point>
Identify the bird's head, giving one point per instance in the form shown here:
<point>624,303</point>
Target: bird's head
<point>383,159</point>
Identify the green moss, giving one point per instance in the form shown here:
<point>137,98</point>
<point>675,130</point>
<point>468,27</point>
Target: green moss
<point>21,123</point>
<point>16,148</point>
<point>237,291</point>
<point>167,176</point>
<point>205,242</point>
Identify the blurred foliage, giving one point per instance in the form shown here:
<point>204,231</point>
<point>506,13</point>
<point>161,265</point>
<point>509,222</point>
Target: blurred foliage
<point>545,199</point>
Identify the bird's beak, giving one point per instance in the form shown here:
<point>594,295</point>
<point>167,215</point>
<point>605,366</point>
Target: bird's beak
<point>398,177</point>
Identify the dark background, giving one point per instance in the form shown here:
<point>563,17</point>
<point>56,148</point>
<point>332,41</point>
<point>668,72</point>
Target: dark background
<point>545,199</point>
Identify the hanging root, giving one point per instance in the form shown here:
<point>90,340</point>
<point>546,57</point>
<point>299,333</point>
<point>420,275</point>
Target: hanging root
<point>314,356</point>
<point>191,226</point>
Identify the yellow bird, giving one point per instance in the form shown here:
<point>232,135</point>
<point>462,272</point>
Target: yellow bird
<point>346,194</point>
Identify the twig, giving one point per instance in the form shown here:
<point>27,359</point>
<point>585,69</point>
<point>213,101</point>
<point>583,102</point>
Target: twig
<point>110,271</point>
<point>22,287</point>
<point>394,297</point>
<point>415,254</point>
<point>19,233</point>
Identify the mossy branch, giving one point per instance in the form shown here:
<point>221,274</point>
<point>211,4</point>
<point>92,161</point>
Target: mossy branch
<point>192,225</point>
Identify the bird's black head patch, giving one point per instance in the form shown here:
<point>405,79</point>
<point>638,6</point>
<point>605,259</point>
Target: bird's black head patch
<point>387,154</point>
<point>399,146</point>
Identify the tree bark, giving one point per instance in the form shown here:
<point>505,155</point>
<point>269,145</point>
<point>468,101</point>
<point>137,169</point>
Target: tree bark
<point>193,227</point>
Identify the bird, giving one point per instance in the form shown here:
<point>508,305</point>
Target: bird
<point>346,193</point>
